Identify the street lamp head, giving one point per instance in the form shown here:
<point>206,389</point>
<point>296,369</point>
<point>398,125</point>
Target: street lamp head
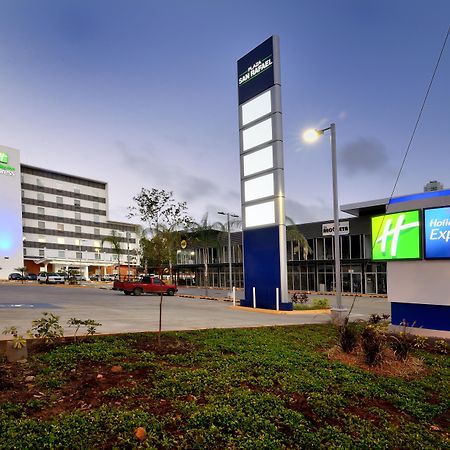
<point>311,135</point>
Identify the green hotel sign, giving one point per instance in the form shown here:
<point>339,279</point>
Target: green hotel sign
<point>5,169</point>
<point>396,236</point>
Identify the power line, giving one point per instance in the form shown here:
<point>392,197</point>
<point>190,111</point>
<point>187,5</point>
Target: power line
<point>420,115</point>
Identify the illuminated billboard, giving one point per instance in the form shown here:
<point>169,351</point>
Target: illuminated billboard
<point>396,236</point>
<point>437,233</point>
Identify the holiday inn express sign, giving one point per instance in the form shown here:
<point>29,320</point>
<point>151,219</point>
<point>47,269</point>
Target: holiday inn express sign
<point>396,236</point>
<point>6,169</point>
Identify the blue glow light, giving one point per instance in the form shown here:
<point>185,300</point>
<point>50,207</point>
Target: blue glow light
<point>421,196</point>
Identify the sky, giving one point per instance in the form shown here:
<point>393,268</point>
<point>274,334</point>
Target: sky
<point>144,94</point>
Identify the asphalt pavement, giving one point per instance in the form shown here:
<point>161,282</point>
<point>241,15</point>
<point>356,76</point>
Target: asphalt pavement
<point>20,304</point>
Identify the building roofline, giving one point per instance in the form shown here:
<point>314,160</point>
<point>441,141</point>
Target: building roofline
<point>62,173</point>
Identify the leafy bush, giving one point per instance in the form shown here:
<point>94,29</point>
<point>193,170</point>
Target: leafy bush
<point>18,340</point>
<point>441,346</point>
<point>372,342</point>
<point>348,336</point>
<point>375,319</point>
<point>90,325</point>
<point>421,342</point>
<point>47,328</point>
<point>320,303</point>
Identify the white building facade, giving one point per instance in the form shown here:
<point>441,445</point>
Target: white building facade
<point>64,222</point>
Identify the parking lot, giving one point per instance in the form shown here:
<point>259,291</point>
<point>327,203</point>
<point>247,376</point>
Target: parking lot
<point>20,304</point>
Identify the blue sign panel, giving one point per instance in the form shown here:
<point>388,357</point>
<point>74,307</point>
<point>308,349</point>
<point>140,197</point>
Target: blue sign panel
<point>437,233</point>
<point>256,71</point>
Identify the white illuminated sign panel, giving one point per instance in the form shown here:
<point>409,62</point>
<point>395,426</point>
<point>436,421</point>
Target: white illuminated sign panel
<point>259,187</point>
<point>261,214</point>
<point>258,161</point>
<point>256,108</point>
<point>257,134</point>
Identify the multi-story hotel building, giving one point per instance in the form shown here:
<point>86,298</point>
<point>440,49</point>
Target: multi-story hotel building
<point>63,223</point>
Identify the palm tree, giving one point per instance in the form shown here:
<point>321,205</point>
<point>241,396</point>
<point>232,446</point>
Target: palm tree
<point>114,240</point>
<point>22,271</point>
<point>293,234</point>
<point>206,235</point>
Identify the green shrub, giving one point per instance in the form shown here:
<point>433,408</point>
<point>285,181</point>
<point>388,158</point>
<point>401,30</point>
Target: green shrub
<point>372,342</point>
<point>348,336</point>
<point>402,343</point>
<point>47,328</point>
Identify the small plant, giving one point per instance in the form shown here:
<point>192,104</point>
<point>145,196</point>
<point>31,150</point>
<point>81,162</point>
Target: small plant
<point>47,328</point>
<point>421,342</point>
<point>90,324</point>
<point>402,343</point>
<point>441,346</point>
<point>348,336</point>
<point>298,297</point>
<point>375,319</point>
<point>372,342</point>
<point>18,340</point>
<point>320,303</point>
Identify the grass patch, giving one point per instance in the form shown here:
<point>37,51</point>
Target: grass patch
<point>241,388</point>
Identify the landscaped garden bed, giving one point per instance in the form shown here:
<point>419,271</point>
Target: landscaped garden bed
<point>279,387</point>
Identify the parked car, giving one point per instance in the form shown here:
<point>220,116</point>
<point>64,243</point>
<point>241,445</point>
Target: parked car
<point>94,277</point>
<point>147,285</point>
<point>32,277</point>
<point>109,277</point>
<point>15,276</point>
<point>50,277</point>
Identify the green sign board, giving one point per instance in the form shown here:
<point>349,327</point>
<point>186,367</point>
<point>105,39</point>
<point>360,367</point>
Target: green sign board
<point>3,158</point>
<point>396,236</point>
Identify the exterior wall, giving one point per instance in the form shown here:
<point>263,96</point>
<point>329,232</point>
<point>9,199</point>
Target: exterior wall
<point>56,221</point>
<point>11,252</point>
<point>314,273</point>
<point>418,290</point>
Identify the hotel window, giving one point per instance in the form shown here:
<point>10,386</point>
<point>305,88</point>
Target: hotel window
<point>60,240</point>
<point>23,193</point>
<point>77,229</point>
<point>78,255</point>
<point>40,196</point>
<point>24,252</point>
<point>59,213</point>
<point>60,227</point>
<point>77,191</point>
<point>41,224</point>
<point>61,254</point>
<point>77,203</point>
<point>42,252</point>
<point>59,200</point>
<point>96,218</point>
<point>77,216</point>
<point>23,207</point>
<point>97,244</point>
<point>97,231</point>
<point>95,205</point>
<point>41,238</point>
<point>39,182</point>
<point>40,210</point>
<point>97,255</point>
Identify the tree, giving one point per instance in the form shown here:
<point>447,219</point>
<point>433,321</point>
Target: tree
<point>22,271</point>
<point>164,217</point>
<point>294,234</point>
<point>206,236</point>
<point>114,240</point>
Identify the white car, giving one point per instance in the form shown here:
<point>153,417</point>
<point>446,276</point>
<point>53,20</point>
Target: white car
<point>50,277</point>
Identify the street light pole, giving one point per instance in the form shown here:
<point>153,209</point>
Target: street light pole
<point>338,313</point>
<point>230,269</point>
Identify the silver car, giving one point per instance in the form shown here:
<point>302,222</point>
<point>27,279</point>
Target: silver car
<point>50,277</point>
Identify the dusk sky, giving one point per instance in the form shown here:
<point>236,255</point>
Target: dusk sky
<point>144,94</point>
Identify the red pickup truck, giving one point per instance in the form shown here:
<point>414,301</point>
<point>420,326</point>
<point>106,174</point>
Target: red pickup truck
<point>148,284</point>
